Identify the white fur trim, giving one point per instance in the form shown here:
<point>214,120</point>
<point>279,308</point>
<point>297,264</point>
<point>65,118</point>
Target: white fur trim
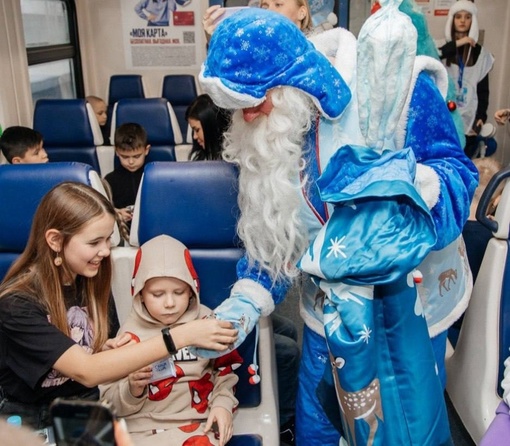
<point>340,44</point>
<point>224,97</point>
<point>439,75</point>
<point>462,5</point>
<point>257,293</point>
<point>427,184</point>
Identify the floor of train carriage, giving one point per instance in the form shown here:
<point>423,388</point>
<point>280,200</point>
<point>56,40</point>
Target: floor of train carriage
<point>290,308</point>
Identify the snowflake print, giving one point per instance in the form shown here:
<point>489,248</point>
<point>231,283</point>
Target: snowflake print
<point>245,45</point>
<point>365,334</point>
<point>336,247</point>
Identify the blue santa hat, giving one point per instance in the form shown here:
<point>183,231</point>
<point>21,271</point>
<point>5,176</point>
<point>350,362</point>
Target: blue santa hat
<point>256,50</point>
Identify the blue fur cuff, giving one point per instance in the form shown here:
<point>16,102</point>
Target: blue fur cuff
<point>278,288</point>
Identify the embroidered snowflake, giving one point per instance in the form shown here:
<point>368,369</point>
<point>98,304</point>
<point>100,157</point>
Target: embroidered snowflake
<point>336,247</point>
<point>365,333</point>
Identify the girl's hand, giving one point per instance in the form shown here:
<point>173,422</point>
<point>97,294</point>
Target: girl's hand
<point>139,380</point>
<point>121,433</point>
<point>223,419</point>
<point>465,41</point>
<point>210,333</point>
<point>209,20</point>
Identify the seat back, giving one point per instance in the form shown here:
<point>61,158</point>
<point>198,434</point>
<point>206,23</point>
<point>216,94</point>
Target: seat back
<point>158,119</point>
<point>22,188</point>
<point>70,130</point>
<point>196,202</point>
<point>181,91</point>
<point>125,86</point>
<point>475,369</point>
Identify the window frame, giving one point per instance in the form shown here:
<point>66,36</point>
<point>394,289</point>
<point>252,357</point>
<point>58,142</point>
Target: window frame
<point>71,50</point>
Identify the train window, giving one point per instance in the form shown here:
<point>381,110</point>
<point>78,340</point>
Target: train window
<point>51,40</point>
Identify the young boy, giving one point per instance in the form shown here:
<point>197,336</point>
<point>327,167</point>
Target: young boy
<point>175,401</point>
<point>131,147</point>
<point>22,145</point>
<point>101,111</point>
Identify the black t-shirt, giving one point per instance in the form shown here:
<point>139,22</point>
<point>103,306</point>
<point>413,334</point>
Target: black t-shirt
<point>30,345</point>
<point>124,185</point>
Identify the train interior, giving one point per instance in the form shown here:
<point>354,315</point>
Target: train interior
<point>55,53</point>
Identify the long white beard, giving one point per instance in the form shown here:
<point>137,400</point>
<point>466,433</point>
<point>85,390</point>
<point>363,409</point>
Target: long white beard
<point>269,153</point>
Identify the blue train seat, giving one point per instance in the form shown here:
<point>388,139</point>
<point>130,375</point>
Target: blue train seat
<point>173,200</point>
<point>125,86</point>
<point>475,369</point>
<point>158,119</point>
<point>22,187</point>
<point>181,91</point>
<point>70,130</point>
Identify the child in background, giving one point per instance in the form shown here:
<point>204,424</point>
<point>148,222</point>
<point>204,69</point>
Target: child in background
<point>208,123</point>
<point>131,148</point>
<point>101,111</point>
<point>176,400</point>
<point>469,64</point>
<point>22,145</point>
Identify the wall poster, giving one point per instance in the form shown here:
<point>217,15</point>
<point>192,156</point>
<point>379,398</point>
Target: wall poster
<point>161,33</point>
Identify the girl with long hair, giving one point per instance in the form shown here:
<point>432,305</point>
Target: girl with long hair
<point>65,265</point>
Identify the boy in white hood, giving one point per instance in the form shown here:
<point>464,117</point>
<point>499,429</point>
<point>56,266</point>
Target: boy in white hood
<point>179,398</point>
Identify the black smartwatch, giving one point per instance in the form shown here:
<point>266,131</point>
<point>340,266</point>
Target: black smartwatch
<point>169,342</point>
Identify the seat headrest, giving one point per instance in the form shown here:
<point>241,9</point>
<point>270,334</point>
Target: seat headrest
<point>155,115</point>
<point>124,86</point>
<point>179,89</point>
<point>23,186</point>
<point>67,122</point>
<point>200,204</point>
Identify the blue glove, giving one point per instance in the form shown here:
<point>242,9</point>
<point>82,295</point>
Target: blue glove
<point>248,301</point>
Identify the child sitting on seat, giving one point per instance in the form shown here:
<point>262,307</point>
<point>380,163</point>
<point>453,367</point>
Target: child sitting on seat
<point>22,145</point>
<point>131,148</point>
<point>177,400</point>
<point>101,111</point>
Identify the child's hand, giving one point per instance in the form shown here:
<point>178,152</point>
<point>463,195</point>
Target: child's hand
<point>223,419</point>
<point>125,338</point>
<point>501,116</point>
<point>139,380</point>
<point>126,214</point>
